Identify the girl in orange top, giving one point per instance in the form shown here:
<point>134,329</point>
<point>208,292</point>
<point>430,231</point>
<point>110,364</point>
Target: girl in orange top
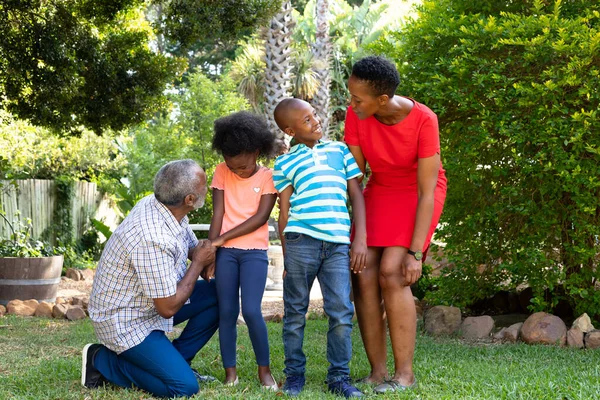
<point>243,197</point>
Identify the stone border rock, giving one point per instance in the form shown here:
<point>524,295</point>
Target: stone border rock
<point>538,328</point>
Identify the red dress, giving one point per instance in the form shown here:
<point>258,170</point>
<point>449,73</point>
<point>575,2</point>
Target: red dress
<point>391,192</point>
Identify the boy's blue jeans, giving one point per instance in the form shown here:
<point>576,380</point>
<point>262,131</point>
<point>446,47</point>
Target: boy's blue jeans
<point>158,366</point>
<point>307,258</point>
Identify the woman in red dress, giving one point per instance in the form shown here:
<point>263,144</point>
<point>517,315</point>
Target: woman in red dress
<point>404,197</point>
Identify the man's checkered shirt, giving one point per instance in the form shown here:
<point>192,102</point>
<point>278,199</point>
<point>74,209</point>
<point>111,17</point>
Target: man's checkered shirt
<point>144,259</point>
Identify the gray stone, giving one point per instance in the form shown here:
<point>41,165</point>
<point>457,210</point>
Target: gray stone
<point>59,311</point>
<point>273,318</point>
<point>442,320</point>
<point>499,336</point>
<point>512,332</point>
<point>74,274</point>
<point>575,338</point>
<point>543,328</point>
<point>60,300</point>
<point>75,313</point>
<point>87,274</point>
<point>584,323</point>
<point>592,339</point>
<point>44,309</point>
<point>82,301</point>
<point>477,327</point>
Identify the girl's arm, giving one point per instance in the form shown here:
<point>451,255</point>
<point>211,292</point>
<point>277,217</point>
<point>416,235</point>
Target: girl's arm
<point>427,175</point>
<point>267,201</point>
<point>218,212</point>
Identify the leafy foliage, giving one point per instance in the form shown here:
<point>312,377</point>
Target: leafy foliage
<point>35,153</point>
<point>67,64</point>
<point>185,133</point>
<point>206,32</point>
<point>515,86</point>
<point>21,243</point>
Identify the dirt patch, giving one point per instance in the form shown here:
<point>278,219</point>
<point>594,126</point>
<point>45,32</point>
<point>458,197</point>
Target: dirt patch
<point>270,305</point>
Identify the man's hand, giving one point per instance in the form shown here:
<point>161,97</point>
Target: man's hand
<point>204,253</point>
<point>208,272</point>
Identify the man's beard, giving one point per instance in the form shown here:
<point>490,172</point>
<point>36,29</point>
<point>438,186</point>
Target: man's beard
<point>199,203</point>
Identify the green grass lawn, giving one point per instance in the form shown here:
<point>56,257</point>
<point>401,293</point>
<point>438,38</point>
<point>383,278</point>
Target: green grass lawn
<point>40,359</point>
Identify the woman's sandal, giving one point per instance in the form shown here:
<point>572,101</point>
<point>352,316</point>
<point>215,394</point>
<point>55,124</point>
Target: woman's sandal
<point>274,387</point>
<point>367,381</point>
<point>391,386</point>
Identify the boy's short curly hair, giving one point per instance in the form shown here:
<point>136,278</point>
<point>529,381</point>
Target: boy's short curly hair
<point>243,132</point>
<point>381,75</point>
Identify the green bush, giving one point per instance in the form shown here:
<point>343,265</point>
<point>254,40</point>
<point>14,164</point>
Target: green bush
<point>515,86</point>
<point>32,152</point>
<point>21,243</point>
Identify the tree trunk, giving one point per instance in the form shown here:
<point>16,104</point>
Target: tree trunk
<point>322,52</point>
<point>278,66</point>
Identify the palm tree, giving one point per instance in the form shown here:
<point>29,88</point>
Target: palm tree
<point>321,50</point>
<point>277,58</point>
<point>248,70</point>
<point>305,80</point>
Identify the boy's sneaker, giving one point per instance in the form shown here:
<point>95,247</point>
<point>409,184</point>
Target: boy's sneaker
<point>294,384</point>
<point>343,387</point>
<point>90,377</point>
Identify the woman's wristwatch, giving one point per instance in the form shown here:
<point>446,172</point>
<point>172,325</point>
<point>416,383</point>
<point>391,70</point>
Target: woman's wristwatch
<point>418,255</point>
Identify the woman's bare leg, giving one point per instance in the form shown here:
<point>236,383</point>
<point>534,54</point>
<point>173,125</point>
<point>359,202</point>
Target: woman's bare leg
<point>371,319</point>
<point>400,311</point>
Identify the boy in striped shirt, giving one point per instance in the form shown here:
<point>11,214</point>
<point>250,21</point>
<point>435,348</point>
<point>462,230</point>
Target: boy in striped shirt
<point>313,180</point>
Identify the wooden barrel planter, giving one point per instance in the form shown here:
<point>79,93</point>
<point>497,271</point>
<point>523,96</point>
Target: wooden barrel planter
<point>29,278</point>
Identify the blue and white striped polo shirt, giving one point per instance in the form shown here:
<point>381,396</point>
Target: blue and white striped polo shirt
<point>319,177</point>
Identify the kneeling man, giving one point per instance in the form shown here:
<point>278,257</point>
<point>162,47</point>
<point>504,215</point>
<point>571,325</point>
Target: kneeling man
<point>143,286</point>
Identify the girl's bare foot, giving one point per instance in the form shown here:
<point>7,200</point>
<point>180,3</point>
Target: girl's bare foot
<point>266,378</point>
<point>231,378</point>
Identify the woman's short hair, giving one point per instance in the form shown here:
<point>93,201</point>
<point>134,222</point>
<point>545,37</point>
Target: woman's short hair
<point>175,180</point>
<point>381,75</point>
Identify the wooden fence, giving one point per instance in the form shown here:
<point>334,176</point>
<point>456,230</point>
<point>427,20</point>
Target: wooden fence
<point>36,199</point>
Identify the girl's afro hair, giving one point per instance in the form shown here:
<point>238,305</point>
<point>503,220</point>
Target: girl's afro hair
<point>243,132</point>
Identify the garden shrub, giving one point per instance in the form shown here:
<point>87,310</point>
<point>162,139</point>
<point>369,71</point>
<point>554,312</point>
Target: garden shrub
<point>516,88</point>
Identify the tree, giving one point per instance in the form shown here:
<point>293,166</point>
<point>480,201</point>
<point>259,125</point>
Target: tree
<point>66,64</point>
<point>83,63</point>
<point>515,86</point>
<point>321,50</point>
<point>206,32</point>
<point>185,132</point>
<point>277,59</point>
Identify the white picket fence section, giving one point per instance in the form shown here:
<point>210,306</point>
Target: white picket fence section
<point>36,199</point>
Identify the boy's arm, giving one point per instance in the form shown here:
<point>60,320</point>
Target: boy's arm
<point>267,201</point>
<point>360,160</point>
<point>358,254</point>
<point>284,210</point>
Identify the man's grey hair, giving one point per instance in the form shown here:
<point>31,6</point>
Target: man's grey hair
<point>175,180</point>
